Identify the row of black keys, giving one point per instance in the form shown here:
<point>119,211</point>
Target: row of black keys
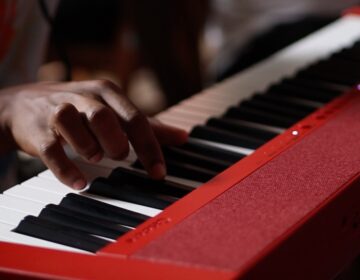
<point>280,107</point>
<point>78,221</point>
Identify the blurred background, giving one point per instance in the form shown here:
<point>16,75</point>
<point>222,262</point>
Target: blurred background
<point>162,51</point>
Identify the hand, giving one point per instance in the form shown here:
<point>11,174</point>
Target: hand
<point>93,117</point>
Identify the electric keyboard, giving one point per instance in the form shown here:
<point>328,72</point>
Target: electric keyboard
<point>265,187</point>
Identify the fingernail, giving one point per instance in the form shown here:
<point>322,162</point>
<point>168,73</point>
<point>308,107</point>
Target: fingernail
<point>96,158</point>
<point>158,171</point>
<point>79,184</point>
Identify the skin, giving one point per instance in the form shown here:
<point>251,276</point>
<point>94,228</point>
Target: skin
<point>93,117</point>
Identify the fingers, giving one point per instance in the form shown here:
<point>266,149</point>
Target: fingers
<point>137,128</point>
<point>108,124</point>
<point>106,127</point>
<point>68,123</point>
<point>168,135</point>
<point>102,125</point>
<point>146,146</point>
<point>52,154</point>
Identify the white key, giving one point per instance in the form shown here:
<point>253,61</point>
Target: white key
<point>48,185</point>
<point>10,216</point>
<point>33,194</point>
<point>42,195</point>
<point>21,205</point>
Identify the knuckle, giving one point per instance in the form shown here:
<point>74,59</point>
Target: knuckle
<point>47,148</point>
<point>63,112</point>
<point>105,84</point>
<point>136,121</point>
<point>88,151</point>
<point>100,115</point>
<point>137,117</point>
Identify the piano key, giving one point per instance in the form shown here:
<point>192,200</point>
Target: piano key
<point>185,170</point>
<point>303,103</point>
<point>190,171</point>
<point>259,116</point>
<point>80,221</point>
<point>351,54</point>
<point>48,185</point>
<point>336,71</point>
<point>60,234</point>
<point>298,92</point>
<point>102,210</point>
<point>213,102</point>
<point>10,217</point>
<point>111,164</point>
<point>238,150</point>
<point>142,182</point>
<point>305,83</point>
<point>214,152</point>
<point>238,125</point>
<point>225,137</point>
<point>212,163</point>
<point>176,123</point>
<point>267,106</point>
<point>148,211</point>
<point>104,187</point>
<point>33,194</point>
<point>7,235</point>
<point>44,196</point>
<point>290,102</point>
<point>210,110</point>
<point>21,205</point>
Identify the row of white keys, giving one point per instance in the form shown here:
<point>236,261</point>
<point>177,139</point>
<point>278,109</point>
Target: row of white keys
<point>56,189</point>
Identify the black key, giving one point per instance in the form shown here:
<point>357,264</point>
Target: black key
<point>185,170</point>
<point>189,171</point>
<point>327,87</point>
<point>288,102</point>
<point>259,116</point>
<point>86,223</point>
<point>287,89</point>
<point>340,71</point>
<point>214,152</point>
<point>50,231</point>
<point>225,137</point>
<point>143,183</point>
<point>107,188</point>
<point>179,154</point>
<point>102,210</point>
<point>273,108</point>
<point>236,126</point>
<point>352,54</point>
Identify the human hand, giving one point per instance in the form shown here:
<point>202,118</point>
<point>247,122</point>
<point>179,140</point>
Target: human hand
<point>93,117</point>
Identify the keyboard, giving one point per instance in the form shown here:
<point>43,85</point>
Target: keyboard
<point>275,111</point>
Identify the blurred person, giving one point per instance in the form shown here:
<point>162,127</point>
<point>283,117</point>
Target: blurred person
<point>93,117</point>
